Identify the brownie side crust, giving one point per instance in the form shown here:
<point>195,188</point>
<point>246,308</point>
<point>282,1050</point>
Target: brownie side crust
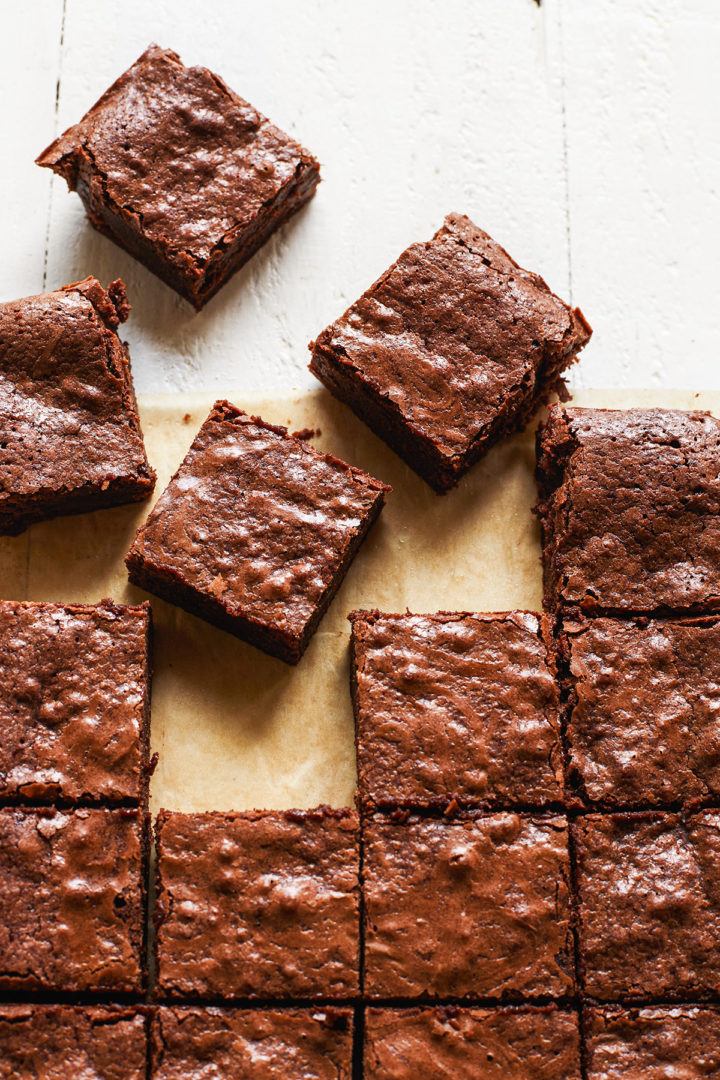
<point>649,905</point>
<point>74,702</point>
<point>629,505</point>
<point>72,901</point>
<point>182,173</point>
<point>262,904</point>
<point>653,1043</point>
<point>262,1044</point>
<point>70,438</point>
<point>54,1042</point>
<point>453,348</point>
<point>455,707</point>
<point>469,908</point>
<point>644,726</point>
<point>255,532</point>
<point>452,1043</point>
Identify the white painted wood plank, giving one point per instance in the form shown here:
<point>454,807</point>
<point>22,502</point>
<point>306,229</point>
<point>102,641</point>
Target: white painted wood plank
<point>30,67</point>
<point>642,90</point>
<point>414,111</point>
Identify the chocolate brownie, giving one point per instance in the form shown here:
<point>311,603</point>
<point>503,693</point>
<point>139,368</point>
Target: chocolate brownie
<point>72,900</point>
<point>645,721</point>
<point>305,1044</point>
<point>74,702</point>
<point>255,532</point>
<point>470,908</point>
<point>61,1042</point>
<point>182,173</point>
<point>450,351</point>
<point>630,510</point>
<point>649,905</point>
<point>450,1043</point>
<point>653,1043</point>
<point>455,706</point>
<point>70,438</point>
<point>261,904</point>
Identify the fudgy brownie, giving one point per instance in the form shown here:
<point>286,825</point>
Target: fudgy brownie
<point>70,438</point>
<point>307,1044</point>
<point>72,900</point>
<point>630,510</point>
<point>649,905</point>
<point>74,702</point>
<point>451,1043</point>
<point>455,706</point>
<point>474,908</point>
<point>653,1043</point>
<point>451,350</point>
<point>645,721</point>
<point>61,1042</point>
<point>261,904</point>
<point>255,532</point>
<point>182,173</point>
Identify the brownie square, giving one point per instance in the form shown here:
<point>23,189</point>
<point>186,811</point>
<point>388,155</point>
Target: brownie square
<point>255,532</point>
<point>257,1044</point>
<point>70,438</point>
<point>644,727</point>
<point>473,908</point>
<point>471,1044</point>
<point>61,1042</point>
<point>649,905</point>
<point>263,904</point>
<point>72,900</point>
<point>450,351</point>
<point>653,1043</point>
<point>630,510</point>
<point>74,702</point>
<point>455,707</point>
<point>182,173</point>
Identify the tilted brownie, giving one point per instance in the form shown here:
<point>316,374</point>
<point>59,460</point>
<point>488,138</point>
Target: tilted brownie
<point>455,706</point>
<point>644,727</point>
<point>255,532</point>
<point>70,438</point>
<point>649,905</point>
<point>262,904</point>
<point>182,173</point>
<point>452,1043</point>
<point>262,1044</point>
<point>630,510</point>
<point>62,1042</point>
<point>653,1044</point>
<point>450,351</point>
<point>72,900</point>
<point>74,702</point>
<point>469,908</point>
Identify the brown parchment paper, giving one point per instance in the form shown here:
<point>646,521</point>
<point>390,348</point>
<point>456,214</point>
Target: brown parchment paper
<point>235,729</point>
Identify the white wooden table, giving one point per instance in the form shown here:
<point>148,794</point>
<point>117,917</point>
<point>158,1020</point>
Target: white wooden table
<point>583,134</point>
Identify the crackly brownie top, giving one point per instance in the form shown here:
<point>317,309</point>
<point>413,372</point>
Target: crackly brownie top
<point>59,1042</point>
<point>653,1043</point>
<point>630,502</point>
<point>645,726</point>
<point>71,900</point>
<point>649,888</point>
<point>305,1044</point>
<point>457,705</point>
<point>454,334</point>
<point>261,904</point>
<point>175,148</point>
<point>257,519</point>
<point>67,408</point>
<point>73,698</point>
<point>451,1043</point>
<point>475,907</point>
